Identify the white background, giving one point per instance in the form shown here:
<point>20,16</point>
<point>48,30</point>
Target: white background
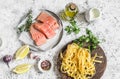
<point>108,28</point>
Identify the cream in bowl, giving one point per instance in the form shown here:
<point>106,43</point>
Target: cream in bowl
<point>93,14</point>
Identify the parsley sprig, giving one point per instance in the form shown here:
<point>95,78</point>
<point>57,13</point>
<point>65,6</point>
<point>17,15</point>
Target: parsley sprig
<point>89,40</point>
<point>72,27</point>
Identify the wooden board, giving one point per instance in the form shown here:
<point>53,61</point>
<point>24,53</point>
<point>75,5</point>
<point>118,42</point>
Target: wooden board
<point>100,67</point>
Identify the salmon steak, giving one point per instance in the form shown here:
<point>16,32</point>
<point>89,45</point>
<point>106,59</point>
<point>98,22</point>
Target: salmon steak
<point>48,19</point>
<point>55,26</point>
<point>38,37</point>
<point>45,29</point>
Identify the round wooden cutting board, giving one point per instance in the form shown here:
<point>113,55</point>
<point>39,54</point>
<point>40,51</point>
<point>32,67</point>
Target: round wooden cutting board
<point>100,67</point>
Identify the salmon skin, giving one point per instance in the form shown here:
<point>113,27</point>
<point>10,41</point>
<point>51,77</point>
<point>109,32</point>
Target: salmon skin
<point>45,29</point>
<point>38,37</point>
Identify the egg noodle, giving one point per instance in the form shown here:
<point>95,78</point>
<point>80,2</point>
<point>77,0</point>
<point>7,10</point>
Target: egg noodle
<point>77,62</point>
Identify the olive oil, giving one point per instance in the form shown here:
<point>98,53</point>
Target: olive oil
<point>70,11</point>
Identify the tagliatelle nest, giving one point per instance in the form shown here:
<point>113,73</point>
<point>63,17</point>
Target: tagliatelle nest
<point>77,62</point>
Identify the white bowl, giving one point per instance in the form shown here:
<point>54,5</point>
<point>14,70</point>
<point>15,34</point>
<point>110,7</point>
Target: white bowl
<point>39,65</point>
<point>92,14</point>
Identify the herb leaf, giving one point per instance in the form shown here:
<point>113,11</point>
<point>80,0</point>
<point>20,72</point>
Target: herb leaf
<point>68,29</point>
<point>72,28</point>
<point>89,40</point>
<point>26,26</point>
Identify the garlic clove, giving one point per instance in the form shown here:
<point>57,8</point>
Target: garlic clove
<point>34,56</point>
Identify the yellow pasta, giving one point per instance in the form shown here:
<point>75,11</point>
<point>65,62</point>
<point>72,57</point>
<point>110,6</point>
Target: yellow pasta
<point>77,62</point>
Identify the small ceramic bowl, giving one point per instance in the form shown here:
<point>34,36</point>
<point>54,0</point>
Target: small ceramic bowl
<point>92,14</point>
<point>40,68</point>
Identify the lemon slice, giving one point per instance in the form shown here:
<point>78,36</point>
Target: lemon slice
<point>22,52</point>
<point>23,68</point>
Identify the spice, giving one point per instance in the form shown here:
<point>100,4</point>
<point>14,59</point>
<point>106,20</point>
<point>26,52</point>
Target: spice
<point>45,65</point>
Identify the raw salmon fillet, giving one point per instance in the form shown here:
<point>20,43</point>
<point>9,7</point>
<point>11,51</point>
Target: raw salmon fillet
<point>45,17</point>
<point>45,29</point>
<point>55,26</point>
<point>48,19</point>
<point>38,37</point>
<point>42,16</point>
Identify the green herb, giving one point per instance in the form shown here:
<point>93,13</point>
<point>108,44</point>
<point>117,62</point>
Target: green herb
<point>89,40</point>
<point>72,27</point>
<point>68,29</point>
<point>26,26</point>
